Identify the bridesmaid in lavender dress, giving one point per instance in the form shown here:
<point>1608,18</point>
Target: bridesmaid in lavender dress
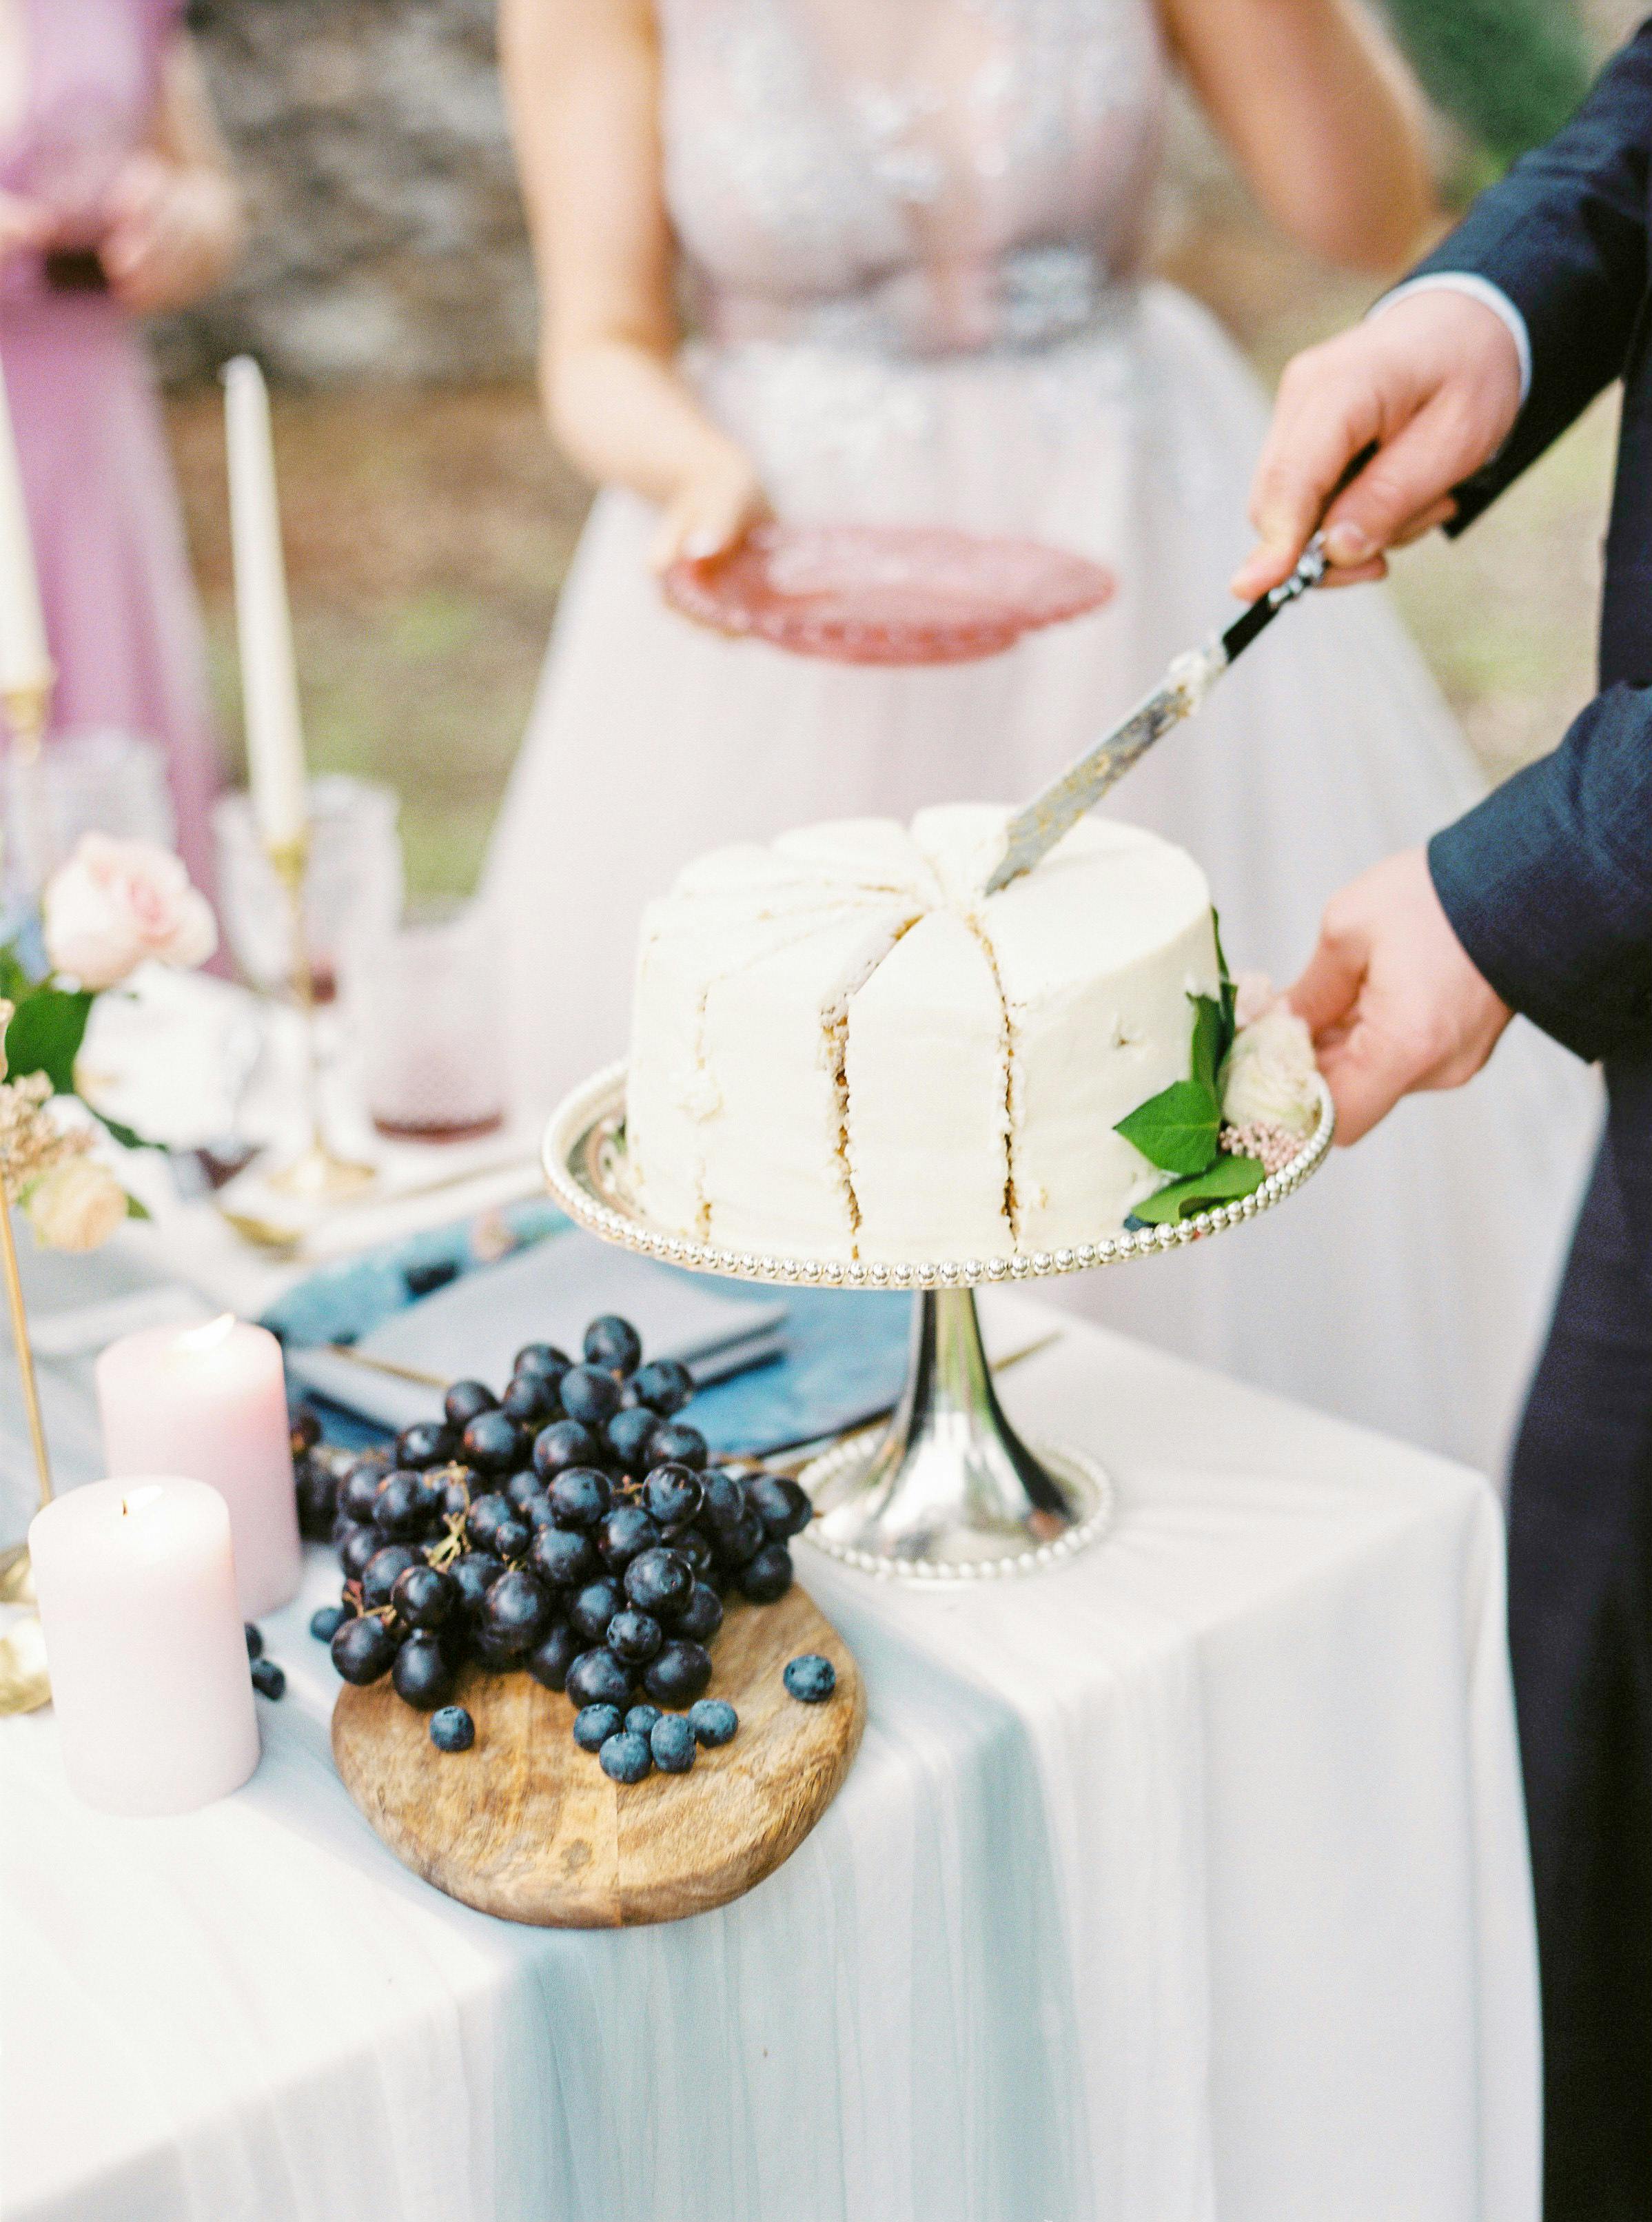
<point>912,231</point>
<point>114,202</point>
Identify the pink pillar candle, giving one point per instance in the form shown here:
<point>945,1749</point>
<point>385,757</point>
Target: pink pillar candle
<point>150,1680</point>
<point>210,1402</point>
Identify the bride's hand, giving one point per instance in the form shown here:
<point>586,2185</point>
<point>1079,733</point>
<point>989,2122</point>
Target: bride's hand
<point>712,510</point>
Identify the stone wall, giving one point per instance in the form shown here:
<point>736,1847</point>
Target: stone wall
<point>386,231</point>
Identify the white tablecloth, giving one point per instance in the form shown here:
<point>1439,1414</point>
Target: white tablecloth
<point>1187,1882</point>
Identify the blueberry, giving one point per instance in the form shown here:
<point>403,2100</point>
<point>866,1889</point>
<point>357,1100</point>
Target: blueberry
<point>594,1725</point>
<point>512,1538</point>
<point>626,1758</point>
<point>486,1516</point>
<point>725,1501</point>
<point>452,1728</point>
<point>811,1679</point>
<point>494,1443</point>
<point>268,1680</point>
<point>597,1678</point>
<point>361,1488</point>
<point>735,1546</point>
<point>563,1444</point>
<point>640,1720</point>
<point>595,1606</point>
<point>255,1640</point>
<point>702,1616</point>
<point>768,1575</point>
<point>658,1581</point>
<point>326,1621</point>
<point>714,1721</point>
<point>671,1742</point>
<point>317,1494</point>
<point>473,1575</point>
<point>465,1400</point>
<point>589,1395</point>
<point>384,1570</point>
<point>635,1637</point>
<point>304,1423</point>
<point>580,1496</point>
<point>625,1438</point>
<point>542,1358</point>
<point>421,1675</point>
<point>665,1386</point>
<point>564,1557</point>
<point>356,1549</point>
<point>676,1442</point>
<point>405,1506</point>
<point>530,1400</point>
<point>423,1596</point>
<point>624,1534</point>
<point>549,1661</point>
<point>537,1511</point>
<point>678,1673</point>
<point>426,1443</point>
<point>674,1494</point>
<point>780,1504</point>
<point>517,1609</point>
<point>363,1649</point>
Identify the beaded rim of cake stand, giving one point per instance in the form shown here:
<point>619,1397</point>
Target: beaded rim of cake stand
<point>583,1159</point>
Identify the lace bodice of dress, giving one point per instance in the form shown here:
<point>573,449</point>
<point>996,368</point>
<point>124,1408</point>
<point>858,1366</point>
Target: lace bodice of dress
<point>922,175</point>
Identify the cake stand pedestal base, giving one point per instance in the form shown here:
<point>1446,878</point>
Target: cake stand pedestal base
<point>952,1493</point>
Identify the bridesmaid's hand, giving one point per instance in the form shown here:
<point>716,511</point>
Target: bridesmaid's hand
<point>712,510</point>
<point>170,233</point>
<point>24,225</point>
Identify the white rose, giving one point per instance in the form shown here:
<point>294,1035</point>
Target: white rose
<point>1269,1078</point>
<point>77,1206</point>
<point>115,902</point>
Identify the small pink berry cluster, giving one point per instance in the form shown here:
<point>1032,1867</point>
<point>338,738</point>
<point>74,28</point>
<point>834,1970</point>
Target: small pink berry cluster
<point>1273,1146</point>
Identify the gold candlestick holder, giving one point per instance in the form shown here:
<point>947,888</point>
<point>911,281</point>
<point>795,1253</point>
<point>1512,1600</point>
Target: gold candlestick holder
<point>318,1174</point>
<point>23,1683</point>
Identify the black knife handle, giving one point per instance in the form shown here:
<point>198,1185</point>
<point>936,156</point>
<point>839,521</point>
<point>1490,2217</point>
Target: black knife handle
<point>1310,570</point>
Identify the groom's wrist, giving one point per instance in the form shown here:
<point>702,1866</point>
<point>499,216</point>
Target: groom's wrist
<point>1473,288</point>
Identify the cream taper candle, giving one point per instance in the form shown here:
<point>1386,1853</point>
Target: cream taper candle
<point>210,1402</point>
<point>25,665</point>
<point>150,1680</point>
<point>269,684</point>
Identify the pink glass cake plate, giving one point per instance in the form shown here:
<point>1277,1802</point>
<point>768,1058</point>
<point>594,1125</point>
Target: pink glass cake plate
<point>885,594</point>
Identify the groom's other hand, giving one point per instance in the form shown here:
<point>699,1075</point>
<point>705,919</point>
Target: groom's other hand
<point>1434,379</point>
<point>1391,997</point>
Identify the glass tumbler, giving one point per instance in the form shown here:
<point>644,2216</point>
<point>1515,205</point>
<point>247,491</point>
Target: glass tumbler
<point>425,1013</point>
<point>353,884</point>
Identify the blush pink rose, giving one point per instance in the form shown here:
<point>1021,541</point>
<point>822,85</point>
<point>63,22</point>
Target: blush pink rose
<point>116,903</point>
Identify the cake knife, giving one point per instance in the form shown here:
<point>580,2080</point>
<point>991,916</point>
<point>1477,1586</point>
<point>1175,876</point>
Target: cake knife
<point>1034,830</point>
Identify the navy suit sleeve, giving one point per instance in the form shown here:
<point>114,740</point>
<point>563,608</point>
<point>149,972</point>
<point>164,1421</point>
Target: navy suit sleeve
<point>1547,882</point>
<point>1564,236</point>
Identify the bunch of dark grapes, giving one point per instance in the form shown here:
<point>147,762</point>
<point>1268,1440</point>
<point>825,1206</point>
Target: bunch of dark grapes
<point>572,1527</point>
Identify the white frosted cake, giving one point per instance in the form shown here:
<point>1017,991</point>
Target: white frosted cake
<point>841,1048</point>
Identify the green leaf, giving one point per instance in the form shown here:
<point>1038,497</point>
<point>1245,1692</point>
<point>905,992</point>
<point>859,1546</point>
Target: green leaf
<point>137,1210</point>
<point>1208,1048</point>
<point>46,1032</point>
<point>1229,992</point>
<point>127,1137</point>
<point>1225,1182</point>
<point>1176,1129</point>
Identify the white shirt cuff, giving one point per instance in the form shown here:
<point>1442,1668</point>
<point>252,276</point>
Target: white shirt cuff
<point>1478,289</point>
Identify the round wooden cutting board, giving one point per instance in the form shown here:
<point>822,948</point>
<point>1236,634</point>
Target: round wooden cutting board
<point>526,1825</point>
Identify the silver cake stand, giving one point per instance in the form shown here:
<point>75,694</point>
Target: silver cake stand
<point>951,1493</point>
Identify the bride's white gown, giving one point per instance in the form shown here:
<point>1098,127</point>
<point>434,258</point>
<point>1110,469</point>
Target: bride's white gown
<point>912,228</point>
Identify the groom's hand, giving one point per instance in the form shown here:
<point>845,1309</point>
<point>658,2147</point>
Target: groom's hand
<point>1434,381</point>
<point>1391,997</point>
